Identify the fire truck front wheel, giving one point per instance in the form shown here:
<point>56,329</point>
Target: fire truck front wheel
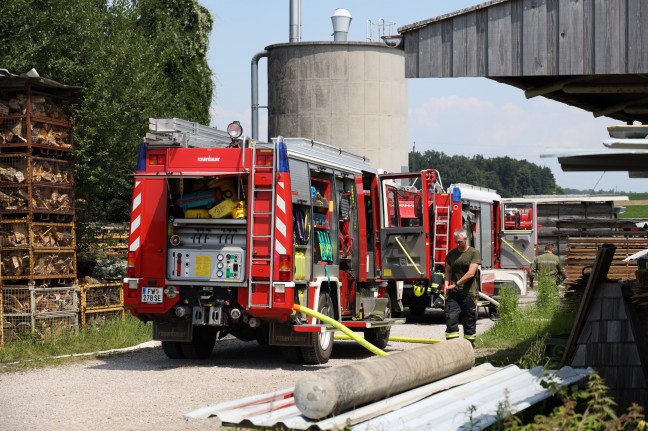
<point>321,346</point>
<point>201,344</point>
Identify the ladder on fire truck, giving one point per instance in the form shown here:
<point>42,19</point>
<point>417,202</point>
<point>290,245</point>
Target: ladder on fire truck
<point>260,240</point>
<point>441,227</point>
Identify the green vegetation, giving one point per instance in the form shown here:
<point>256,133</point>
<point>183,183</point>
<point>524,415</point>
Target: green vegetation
<point>33,350</point>
<point>508,176</point>
<point>580,409</point>
<point>519,337</point>
<point>635,211</point>
<point>135,59</point>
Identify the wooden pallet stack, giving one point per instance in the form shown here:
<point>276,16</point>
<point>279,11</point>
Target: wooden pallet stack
<point>37,224</point>
<point>582,250</point>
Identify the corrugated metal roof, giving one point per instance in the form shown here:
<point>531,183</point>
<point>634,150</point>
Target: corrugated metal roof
<point>467,400</point>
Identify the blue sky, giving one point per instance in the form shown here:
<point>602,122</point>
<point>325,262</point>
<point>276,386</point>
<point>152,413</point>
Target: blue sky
<point>466,116</point>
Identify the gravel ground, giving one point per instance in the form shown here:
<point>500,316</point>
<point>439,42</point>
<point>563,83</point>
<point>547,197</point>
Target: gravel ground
<point>142,389</point>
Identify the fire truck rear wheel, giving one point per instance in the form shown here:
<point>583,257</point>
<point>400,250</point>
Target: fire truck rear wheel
<point>172,349</point>
<point>322,343</point>
<point>202,343</point>
<point>379,337</point>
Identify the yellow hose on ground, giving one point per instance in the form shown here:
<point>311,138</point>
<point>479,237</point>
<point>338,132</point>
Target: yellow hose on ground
<point>337,325</point>
<point>401,339</point>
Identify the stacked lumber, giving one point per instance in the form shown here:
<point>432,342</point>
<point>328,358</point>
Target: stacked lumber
<point>581,252</point>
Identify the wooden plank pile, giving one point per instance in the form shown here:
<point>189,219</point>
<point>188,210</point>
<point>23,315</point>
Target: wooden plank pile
<point>581,252</point>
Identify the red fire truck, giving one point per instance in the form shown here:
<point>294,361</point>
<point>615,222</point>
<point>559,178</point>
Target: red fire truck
<point>227,235</point>
<point>416,233</point>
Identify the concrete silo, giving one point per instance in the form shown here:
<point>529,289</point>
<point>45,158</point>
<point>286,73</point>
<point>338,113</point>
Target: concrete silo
<point>351,95</point>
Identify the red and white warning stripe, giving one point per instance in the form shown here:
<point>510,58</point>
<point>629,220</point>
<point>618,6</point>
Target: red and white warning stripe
<point>136,218</point>
<point>281,228</point>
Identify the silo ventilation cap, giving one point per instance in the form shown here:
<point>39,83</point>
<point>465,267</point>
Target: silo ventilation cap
<point>341,20</point>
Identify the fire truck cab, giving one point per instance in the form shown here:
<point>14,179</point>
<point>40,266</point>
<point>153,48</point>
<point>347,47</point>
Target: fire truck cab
<point>228,235</point>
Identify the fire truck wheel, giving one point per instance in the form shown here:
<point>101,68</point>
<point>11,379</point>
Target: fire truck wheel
<point>263,335</point>
<point>320,350</point>
<point>202,344</point>
<point>379,337</point>
<point>172,349</point>
<point>292,355</point>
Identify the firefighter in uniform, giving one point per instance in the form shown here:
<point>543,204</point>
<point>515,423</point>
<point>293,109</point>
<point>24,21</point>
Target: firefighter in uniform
<point>548,264</point>
<point>460,282</point>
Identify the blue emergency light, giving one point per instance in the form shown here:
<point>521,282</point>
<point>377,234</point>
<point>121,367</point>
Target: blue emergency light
<point>456,194</point>
<point>141,157</point>
<point>283,155</point>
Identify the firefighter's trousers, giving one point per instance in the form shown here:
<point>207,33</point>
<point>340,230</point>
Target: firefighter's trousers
<point>459,305</point>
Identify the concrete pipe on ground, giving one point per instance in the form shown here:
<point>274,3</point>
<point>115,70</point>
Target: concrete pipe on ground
<point>329,392</point>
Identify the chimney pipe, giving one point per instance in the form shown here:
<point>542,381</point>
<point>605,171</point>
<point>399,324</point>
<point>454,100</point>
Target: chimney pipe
<point>341,20</point>
<point>295,21</point>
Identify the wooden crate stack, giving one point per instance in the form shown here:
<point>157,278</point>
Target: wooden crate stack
<point>37,224</point>
<point>101,302</point>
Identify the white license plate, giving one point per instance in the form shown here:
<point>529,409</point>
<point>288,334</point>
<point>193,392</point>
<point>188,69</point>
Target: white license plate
<point>152,295</point>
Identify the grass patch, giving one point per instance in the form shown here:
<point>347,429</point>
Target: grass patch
<point>32,351</point>
<point>520,335</point>
<point>635,211</point>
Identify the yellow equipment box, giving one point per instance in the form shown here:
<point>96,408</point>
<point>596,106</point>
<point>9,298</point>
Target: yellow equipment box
<point>223,209</point>
<point>197,213</point>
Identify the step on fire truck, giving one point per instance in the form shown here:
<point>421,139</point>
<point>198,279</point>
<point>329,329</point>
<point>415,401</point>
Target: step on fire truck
<point>417,233</point>
<point>228,234</point>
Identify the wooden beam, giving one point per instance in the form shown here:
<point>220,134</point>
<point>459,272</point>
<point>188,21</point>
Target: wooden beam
<point>554,86</point>
<point>620,107</point>
<point>605,88</point>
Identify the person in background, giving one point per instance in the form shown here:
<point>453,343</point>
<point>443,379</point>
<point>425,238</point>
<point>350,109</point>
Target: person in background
<point>548,264</point>
<point>460,285</point>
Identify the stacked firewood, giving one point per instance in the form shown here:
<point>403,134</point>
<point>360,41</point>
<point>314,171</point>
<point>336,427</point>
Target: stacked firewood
<point>14,235</point>
<point>11,174</point>
<point>51,200</point>
<point>14,199</point>
<point>54,264</point>
<point>15,264</point>
<point>18,301</point>
<point>45,134</point>
<point>50,236</point>
<point>42,106</point>
<point>44,171</point>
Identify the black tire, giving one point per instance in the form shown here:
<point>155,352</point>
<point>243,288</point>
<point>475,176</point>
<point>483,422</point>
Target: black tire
<point>202,343</point>
<point>417,310</point>
<point>321,346</point>
<point>263,335</point>
<point>292,355</point>
<point>172,349</point>
<point>379,337</point>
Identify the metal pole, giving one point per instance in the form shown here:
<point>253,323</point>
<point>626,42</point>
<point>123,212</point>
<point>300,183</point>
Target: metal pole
<point>255,92</point>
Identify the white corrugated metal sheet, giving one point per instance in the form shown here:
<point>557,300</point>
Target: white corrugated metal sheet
<point>465,401</point>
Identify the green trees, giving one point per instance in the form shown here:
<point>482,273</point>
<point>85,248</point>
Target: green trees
<point>509,177</point>
<point>135,59</point>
